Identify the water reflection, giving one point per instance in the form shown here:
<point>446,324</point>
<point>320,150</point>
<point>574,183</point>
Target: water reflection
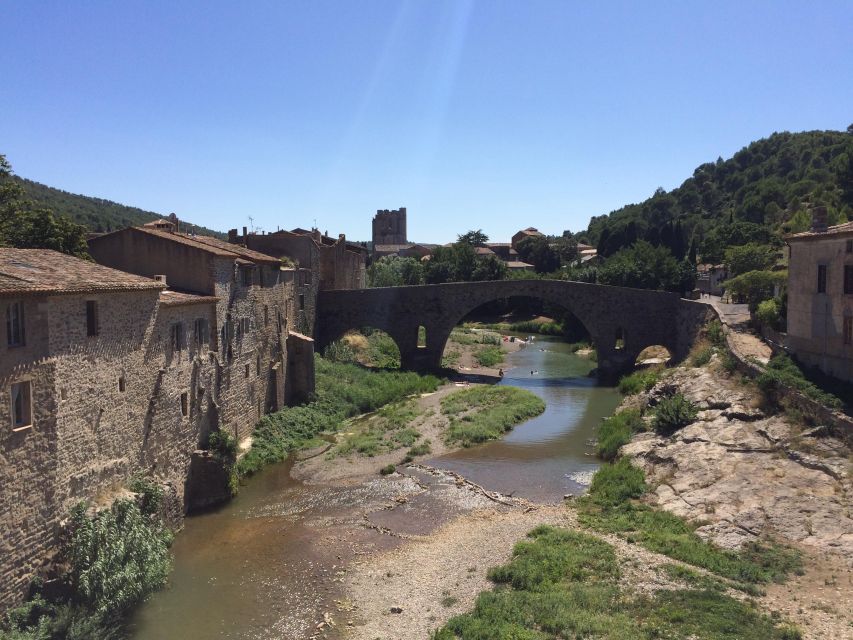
<point>539,459</point>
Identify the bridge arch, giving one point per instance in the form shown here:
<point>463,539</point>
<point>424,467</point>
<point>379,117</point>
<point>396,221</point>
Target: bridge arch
<point>636,316</point>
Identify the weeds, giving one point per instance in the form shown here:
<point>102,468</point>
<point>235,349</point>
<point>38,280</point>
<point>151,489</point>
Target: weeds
<point>638,381</point>
<point>673,413</point>
<point>489,356</point>
<point>485,413</point>
<point>616,431</point>
<point>564,584</point>
<point>343,391</point>
<point>783,373</point>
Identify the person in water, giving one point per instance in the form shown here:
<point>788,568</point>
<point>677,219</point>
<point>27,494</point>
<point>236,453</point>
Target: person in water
<point>501,373</point>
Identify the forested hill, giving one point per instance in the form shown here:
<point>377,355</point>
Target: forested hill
<point>763,192</point>
<point>96,214</point>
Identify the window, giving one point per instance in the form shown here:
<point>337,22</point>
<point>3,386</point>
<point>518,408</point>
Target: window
<point>15,324</point>
<point>185,404</point>
<point>620,338</point>
<point>201,332</point>
<point>178,339</point>
<point>266,315</point>
<point>821,278</point>
<point>848,331</point>
<point>244,327</point>
<point>92,328</point>
<point>848,278</point>
<point>849,248</point>
<point>122,384</point>
<point>247,276</point>
<point>259,365</point>
<point>301,301</point>
<point>21,405</point>
<point>247,371</point>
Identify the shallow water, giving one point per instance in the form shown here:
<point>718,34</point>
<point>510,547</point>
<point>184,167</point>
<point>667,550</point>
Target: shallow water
<point>542,458</point>
<point>265,565</point>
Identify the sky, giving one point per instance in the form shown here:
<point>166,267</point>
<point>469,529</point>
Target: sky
<point>493,115</point>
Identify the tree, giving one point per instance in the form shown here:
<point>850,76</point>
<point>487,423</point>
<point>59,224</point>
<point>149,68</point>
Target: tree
<point>756,286</point>
<point>394,271</point>
<point>25,226</point>
<point>748,257</point>
<point>460,263</point>
<point>566,248</point>
<point>474,238</point>
<point>645,267</point>
<point>537,251</point>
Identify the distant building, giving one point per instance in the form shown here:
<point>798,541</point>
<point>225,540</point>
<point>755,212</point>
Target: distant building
<point>389,226</point>
<point>517,265</point>
<point>710,278</point>
<point>820,296</point>
<point>503,250</point>
<point>408,250</point>
<point>529,232</point>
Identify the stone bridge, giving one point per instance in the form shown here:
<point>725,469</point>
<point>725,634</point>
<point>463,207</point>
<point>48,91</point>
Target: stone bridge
<point>639,317</point>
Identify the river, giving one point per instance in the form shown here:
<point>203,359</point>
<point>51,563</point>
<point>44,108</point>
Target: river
<point>263,565</point>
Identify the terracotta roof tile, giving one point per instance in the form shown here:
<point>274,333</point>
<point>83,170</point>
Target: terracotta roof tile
<point>46,271</point>
<point>171,298</point>
<point>255,256</point>
<point>847,227</point>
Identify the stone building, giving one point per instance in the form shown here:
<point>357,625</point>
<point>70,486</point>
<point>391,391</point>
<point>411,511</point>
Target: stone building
<point>408,250</point>
<point>529,232</point>
<point>389,226</point>
<point>820,297</point>
<point>75,415</point>
<point>258,305</point>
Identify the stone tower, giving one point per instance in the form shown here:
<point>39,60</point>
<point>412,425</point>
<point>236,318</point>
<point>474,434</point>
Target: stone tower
<point>389,226</point>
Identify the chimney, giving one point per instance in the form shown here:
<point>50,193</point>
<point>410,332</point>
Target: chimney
<point>244,232</point>
<point>819,222</point>
<point>161,278</point>
<point>232,236</point>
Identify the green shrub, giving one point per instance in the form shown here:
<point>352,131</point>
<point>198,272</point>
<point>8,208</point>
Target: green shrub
<point>715,334</point>
<point>116,558</point>
<point>489,356</point>
<point>729,361</point>
<point>150,492</point>
<point>642,380</point>
<point>614,484</point>
<point>223,445</point>
<point>767,313</point>
<point>673,413</point>
<point>702,357</point>
<point>616,431</point>
<point>387,470</point>
<point>783,373</point>
<point>339,351</point>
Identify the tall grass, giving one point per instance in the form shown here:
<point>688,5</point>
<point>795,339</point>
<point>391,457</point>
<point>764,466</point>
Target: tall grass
<point>616,431</point>
<point>638,381</point>
<point>564,584</point>
<point>343,391</point>
<point>485,413</point>
<point>489,356</point>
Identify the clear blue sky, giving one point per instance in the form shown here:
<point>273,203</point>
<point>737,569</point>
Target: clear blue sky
<point>493,114</point>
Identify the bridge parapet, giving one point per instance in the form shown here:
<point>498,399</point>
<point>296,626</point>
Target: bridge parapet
<point>640,317</point>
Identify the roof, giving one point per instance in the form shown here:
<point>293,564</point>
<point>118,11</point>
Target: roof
<point>517,264</point>
<point>172,298</point>
<point>393,248</point>
<point>531,231</point>
<point>483,251</point>
<point>47,271</point>
<point>210,245</point>
<point>839,229</point>
<point>493,245</point>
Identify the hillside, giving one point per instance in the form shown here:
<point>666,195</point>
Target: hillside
<point>96,214</point>
<point>763,192</point>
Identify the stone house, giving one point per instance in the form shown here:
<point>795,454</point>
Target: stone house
<point>710,278</point>
<point>257,307</point>
<point>75,392</point>
<point>820,297</point>
<point>525,233</point>
<point>408,250</point>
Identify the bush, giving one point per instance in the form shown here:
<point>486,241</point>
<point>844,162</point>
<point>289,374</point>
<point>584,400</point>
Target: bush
<point>673,413</point>
<point>150,492</point>
<point>714,332</point>
<point>702,357</point>
<point>116,558</point>
<point>639,381</point>
<point>616,431</point>
<point>489,356</point>
<point>616,483</point>
<point>783,373</point>
<point>339,351</point>
<point>767,313</point>
<point>485,413</point>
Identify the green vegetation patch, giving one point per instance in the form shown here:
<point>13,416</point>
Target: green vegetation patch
<point>617,430</point>
<point>611,506</point>
<point>343,391</point>
<point>639,381</point>
<point>485,413</point>
<point>673,413</point>
<point>113,560</point>
<point>783,372</point>
<point>564,584</point>
<point>489,356</point>
<point>388,430</point>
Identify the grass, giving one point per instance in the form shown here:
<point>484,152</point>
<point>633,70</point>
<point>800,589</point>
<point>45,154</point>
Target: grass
<point>638,381</point>
<point>783,372</point>
<point>343,391</point>
<point>564,584</point>
<point>489,356</point>
<point>612,507</point>
<point>673,413</point>
<point>617,430</point>
<point>485,413</point>
<point>385,431</point>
